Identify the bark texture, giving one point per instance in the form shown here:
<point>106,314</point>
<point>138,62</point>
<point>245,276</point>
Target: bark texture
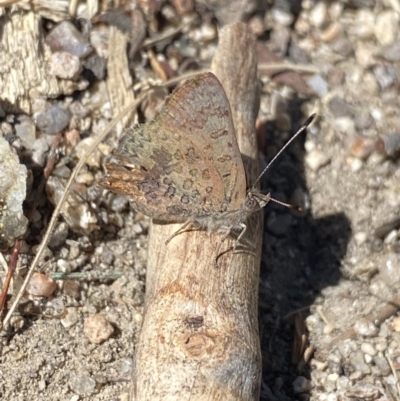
<point>23,71</point>
<point>199,339</point>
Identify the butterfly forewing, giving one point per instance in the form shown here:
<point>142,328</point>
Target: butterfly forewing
<point>202,112</point>
<point>177,167</point>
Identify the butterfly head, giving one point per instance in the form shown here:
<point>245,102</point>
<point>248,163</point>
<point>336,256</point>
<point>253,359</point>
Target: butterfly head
<point>255,200</point>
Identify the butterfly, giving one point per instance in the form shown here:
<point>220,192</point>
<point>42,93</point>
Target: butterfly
<point>185,166</point>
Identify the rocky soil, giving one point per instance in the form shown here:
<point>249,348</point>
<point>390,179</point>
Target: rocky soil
<point>330,273</point>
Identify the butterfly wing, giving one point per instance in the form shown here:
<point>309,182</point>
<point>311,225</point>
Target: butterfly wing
<point>185,163</point>
<point>202,112</point>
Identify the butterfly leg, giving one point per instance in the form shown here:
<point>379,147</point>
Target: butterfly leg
<point>224,237</point>
<point>185,227</point>
<point>240,236</point>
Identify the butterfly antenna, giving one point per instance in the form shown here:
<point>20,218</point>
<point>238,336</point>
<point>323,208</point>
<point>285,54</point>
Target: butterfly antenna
<point>288,205</point>
<point>300,131</point>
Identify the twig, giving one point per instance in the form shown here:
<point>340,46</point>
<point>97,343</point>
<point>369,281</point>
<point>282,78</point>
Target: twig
<point>166,35</point>
<point>324,318</point>
<point>51,159</point>
<point>377,318</point>
<point>390,362</point>
<point>289,66</point>
<point>12,264</point>
<point>85,276</point>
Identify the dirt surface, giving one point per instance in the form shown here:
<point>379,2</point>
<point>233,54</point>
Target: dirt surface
<point>330,274</point>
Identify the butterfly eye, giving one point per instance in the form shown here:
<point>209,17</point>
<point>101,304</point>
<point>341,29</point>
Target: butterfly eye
<point>251,202</point>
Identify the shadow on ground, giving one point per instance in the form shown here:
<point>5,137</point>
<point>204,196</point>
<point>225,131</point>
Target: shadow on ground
<point>301,256</point>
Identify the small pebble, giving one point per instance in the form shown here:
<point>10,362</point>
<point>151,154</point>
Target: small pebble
<point>383,365</point>
<point>330,383</point>
<point>368,348</point>
<point>85,178</point>
<point>82,148</point>
<point>389,271</point>
<point>42,385</point>
<point>125,368</point>
<point>62,172</point>
<point>6,129</point>
<point>71,318</point>
<point>183,7</point>
<point>73,137</point>
<point>332,397</point>
<point>40,148</point>
<point>256,24</point>
<point>26,131</point>
<point>335,363</point>
<point>97,329</point>
<point>59,235</point>
<point>346,347</point>
<point>17,322</point>
<point>302,385</point>
<point>389,144</point>
<point>361,147</point>
<point>62,266</point>
<point>53,120</point>
<point>318,377</point>
<point>74,250</point>
<point>314,324</point>
<point>332,32</point>
<point>137,228</point>
<point>365,328</point>
<point>361,238</point>
<point>364,391</point>
<point>340,108</point>
<point>66,38</point>
<point>396,324</point>
<point>386,27</point>
<point>282,16</point>
<point>385,75</point>
<point>391,52</point>
<point>41,285</point>
<point>381,345</point>
<point>363,26</point>
<point>370,87</point>
<point>82,384</point>
<point>317,159</point>
<point>279,40</point>
<point>357,361</point>
<point>96,64</point>
<point>318,84</point>
<point>364,53</point>
<point>342,383</point>
<point>208,32</point>
<point>343,46</point>
<point>104,149</point>
<point>64,65</point>
<point>71,288</point>
<point>119,203</point>
<point>345,125</point>
<point>318,15</point>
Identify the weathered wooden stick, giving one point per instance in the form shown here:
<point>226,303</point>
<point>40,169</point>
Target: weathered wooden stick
<point>199,339</point>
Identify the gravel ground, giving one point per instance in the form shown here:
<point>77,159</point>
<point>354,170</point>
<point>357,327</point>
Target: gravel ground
<point>330,275</point>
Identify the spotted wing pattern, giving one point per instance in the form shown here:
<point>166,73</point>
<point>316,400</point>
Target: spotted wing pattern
<point>186,162</point>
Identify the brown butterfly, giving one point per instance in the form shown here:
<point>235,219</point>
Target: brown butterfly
<point>185,166</point>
